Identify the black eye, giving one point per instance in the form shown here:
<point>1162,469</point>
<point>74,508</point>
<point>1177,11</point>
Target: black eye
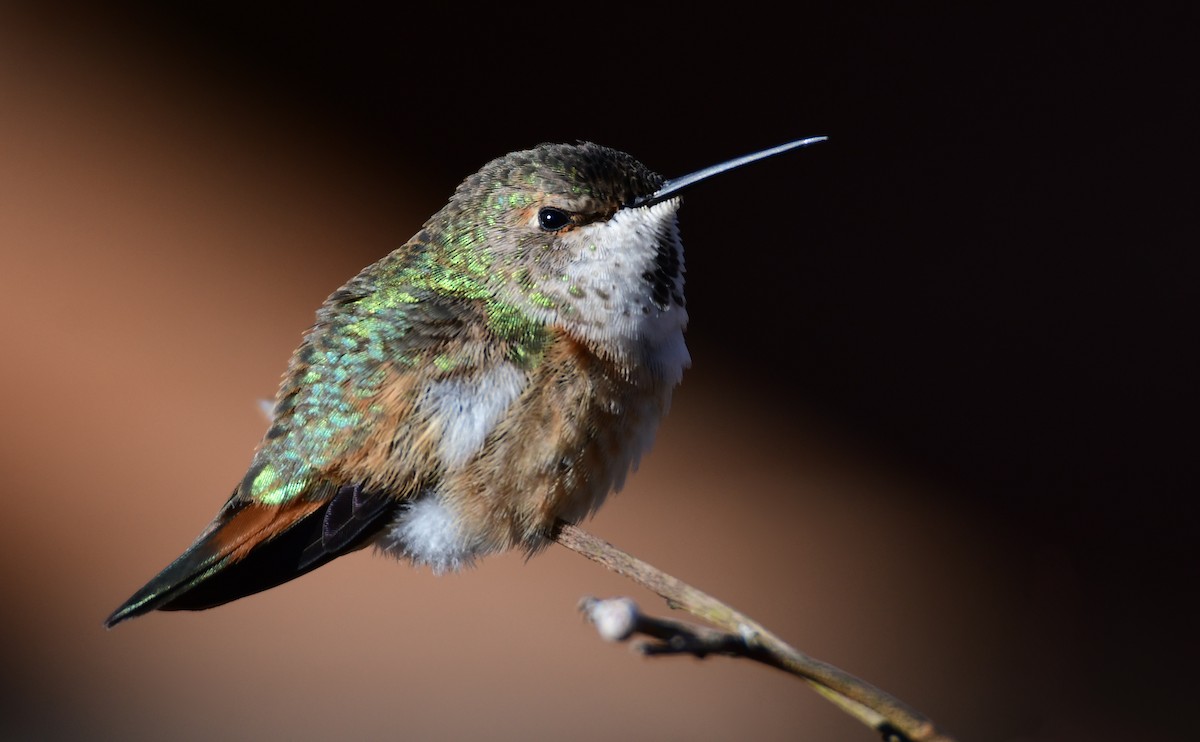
<point>552,220</point>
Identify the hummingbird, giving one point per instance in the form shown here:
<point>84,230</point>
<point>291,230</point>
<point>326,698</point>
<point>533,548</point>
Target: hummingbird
<point>504,369</point>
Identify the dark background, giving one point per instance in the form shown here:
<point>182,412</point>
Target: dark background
<point>979,290</point>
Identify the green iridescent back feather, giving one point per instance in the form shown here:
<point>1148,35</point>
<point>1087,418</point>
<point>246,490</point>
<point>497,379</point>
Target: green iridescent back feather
<point>408,310</point>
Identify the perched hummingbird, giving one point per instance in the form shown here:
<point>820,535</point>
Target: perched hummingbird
<point>503,369</point>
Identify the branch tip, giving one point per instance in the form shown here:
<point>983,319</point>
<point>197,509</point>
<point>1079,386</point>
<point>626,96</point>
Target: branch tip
<point>615,619</point>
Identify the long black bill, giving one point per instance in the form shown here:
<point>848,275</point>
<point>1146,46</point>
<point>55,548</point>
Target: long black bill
<point>675,185</point>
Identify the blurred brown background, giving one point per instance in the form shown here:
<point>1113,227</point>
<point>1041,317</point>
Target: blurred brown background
<point>928,435</point>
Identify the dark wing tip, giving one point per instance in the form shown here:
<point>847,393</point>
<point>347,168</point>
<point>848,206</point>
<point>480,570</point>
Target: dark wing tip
<point>253,548</point>
<point>128,609</point>
<point>191,567</point>
<point>235,532</point>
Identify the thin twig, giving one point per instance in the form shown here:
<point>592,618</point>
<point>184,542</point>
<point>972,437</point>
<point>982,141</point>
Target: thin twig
<point>870,705</point>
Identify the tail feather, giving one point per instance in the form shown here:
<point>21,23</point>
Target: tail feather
<point>250,548</point>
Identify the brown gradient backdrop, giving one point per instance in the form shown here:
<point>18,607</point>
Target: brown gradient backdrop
<point>166,238</point>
